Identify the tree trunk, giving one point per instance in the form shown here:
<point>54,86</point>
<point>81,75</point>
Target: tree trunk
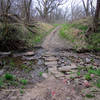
<point>97,13</point>
<point>86,7</point>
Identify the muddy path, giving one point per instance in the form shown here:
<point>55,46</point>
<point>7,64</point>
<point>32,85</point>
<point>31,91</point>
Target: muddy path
<point>60,80</point>
<point>53,41</point>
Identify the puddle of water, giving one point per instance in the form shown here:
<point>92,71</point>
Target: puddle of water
<point>19,61</point>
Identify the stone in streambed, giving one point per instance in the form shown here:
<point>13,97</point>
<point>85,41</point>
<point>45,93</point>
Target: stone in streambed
<point>67,68</point>
<point>51,59</point>
<point>45,75</point>
<point>51,63</point>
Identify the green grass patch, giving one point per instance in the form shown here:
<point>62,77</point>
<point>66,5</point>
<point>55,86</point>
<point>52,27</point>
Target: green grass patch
<point>8,76</point>
<point>38,38</point>
<point>78,73</point>
<point>65,32</point>
<point>90,96</point>
<point>9,80</point>
<point>98,83</point>
<point>1,82</point>
<point>80,26</point>
<point>24,81</point>
<point>94,42</point>
<point>40,73</point>
<point>88,77</point>
<point>94,71</point>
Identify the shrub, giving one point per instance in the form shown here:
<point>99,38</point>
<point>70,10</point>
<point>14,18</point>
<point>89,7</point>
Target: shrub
<point>11,37</point>
<point>88,77</point>
<point>90,96</point>
<point>23,81</point>
<point>8,76</point>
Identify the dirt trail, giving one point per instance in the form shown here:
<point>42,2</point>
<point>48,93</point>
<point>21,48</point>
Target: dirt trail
<point>56,85</point>
<point>53,41</point>
<point>52,88</point>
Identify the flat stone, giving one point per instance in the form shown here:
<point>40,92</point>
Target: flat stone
<point>27,58</point>
<point>45,75</point>
<point>51,59</point>
<point>52,70</point>
<point>58,75</point>
<point>71,75</point>
<point>88,60</point>
<point>67,68</point>
<point>73,66</point>
<point>5,53</point>
<point>68,98</point>
<point>23,54</point>
<point>51,63</point>
<point>48,55</point>
<point>29,53</point>
<point>55,72</point>
<point>1,72</point>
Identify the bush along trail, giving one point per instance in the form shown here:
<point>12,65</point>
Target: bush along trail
<point>52,71</point>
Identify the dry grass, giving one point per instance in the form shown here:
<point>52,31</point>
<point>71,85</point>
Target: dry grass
<point>45,27</point>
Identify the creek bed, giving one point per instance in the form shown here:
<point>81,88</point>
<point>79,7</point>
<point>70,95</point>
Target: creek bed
<point>30,70</point>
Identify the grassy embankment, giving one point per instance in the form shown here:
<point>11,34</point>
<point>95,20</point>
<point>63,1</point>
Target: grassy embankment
<point>42,31</point>
<point>75,32</point>
<point>18,35</point>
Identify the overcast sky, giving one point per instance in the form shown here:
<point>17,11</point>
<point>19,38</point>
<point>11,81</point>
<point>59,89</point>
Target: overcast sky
<point>68,4</point>
<point>77,2</point>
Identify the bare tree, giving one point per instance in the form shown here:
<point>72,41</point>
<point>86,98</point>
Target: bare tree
<point>45,7</point>
<point>86,7</point>
<point>97,13</point>
<point>5,6</point>
<point>92,8</point>
<point>27,8</point>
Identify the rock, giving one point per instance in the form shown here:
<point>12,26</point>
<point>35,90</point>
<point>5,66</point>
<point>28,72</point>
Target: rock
<point>51,59</point>
<point>3,54</point>
<point>51,63</point>
<point>73,66</point>
<point>63,64</point>
<point>71,76</point>
<point>68,98</point>
<point>45,75</point>
<point>64,69</point>
<point>58,75</point>
<point>52,70</point>
<point>40,62</point>
<point>81,63</point>
<point>24,54</point>
<point>88,60</point>
<point>28,53</point>
<point>67,68</point>
<point>1,72</point>
<point>27,58</point>
<point>62,61</point>
<point>48,54</point>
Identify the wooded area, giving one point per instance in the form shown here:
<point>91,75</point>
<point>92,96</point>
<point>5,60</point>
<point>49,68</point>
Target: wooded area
<point>28,12</point>
<point>49,49</point>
